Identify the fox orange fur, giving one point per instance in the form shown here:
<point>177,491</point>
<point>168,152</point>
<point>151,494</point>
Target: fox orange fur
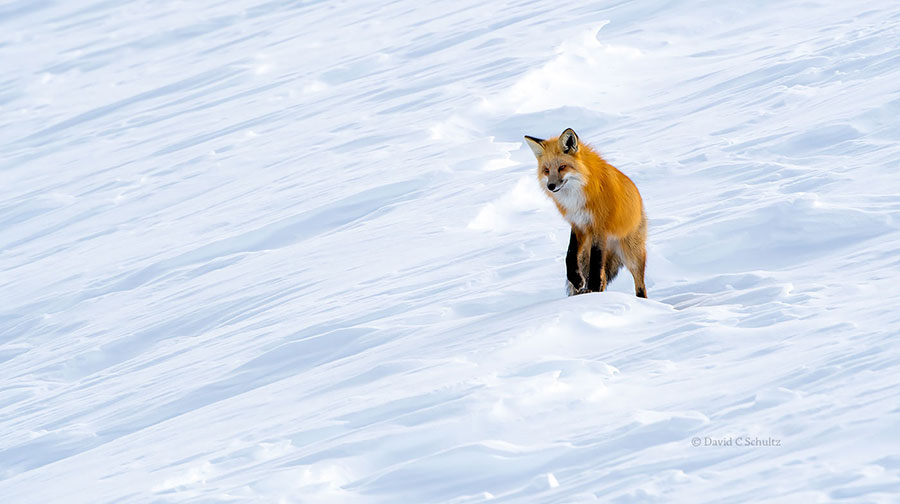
<point>602,205</point>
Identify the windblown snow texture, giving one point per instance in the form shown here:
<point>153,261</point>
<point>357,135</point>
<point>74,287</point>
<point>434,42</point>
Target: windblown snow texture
<point>294,251</point>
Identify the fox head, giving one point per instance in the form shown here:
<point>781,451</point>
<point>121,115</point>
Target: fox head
<point>559,163</point>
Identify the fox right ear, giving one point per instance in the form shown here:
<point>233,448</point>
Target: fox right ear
<point>536,144</point>
<point>568,141</point>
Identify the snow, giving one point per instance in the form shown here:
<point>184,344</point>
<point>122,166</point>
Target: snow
<point>295,251</point>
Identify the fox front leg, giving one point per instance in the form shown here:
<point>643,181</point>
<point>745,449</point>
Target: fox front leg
<point>576,282</point>
<point>594,275</point>
<point>577,261</point>
<point>572,274</point>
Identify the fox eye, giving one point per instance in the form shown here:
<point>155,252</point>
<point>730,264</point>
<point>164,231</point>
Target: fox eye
<point>546,171</point>
<point>562,167</point>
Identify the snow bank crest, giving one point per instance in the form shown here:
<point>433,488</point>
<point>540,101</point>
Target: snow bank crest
<point>584,73</point>
<point>510,208</point>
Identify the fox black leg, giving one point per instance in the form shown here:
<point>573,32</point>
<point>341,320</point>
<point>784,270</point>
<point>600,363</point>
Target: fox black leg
<point>573,273</point>
<point>594,268</point>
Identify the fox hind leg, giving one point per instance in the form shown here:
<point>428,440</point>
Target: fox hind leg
<point>637,271</point>
<point>634,248</point>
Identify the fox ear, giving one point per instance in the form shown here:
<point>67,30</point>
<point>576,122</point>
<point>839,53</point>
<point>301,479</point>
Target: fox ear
<point>568,141</point>
<point>536,144</point>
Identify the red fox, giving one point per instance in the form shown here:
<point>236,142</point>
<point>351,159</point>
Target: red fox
<point>603,206</point>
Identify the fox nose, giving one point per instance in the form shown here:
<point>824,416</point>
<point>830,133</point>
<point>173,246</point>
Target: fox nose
<point>551,186</point>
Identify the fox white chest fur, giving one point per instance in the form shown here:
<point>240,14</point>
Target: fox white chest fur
<point>571,197</point>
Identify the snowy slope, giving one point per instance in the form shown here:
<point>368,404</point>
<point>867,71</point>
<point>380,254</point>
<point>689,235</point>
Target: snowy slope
<point>294,251</point>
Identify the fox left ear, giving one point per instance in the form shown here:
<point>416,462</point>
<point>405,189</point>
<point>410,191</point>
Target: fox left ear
<point>568,141</point>
<point>536,144</point>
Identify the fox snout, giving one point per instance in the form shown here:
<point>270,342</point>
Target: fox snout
<point>554,181</point>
